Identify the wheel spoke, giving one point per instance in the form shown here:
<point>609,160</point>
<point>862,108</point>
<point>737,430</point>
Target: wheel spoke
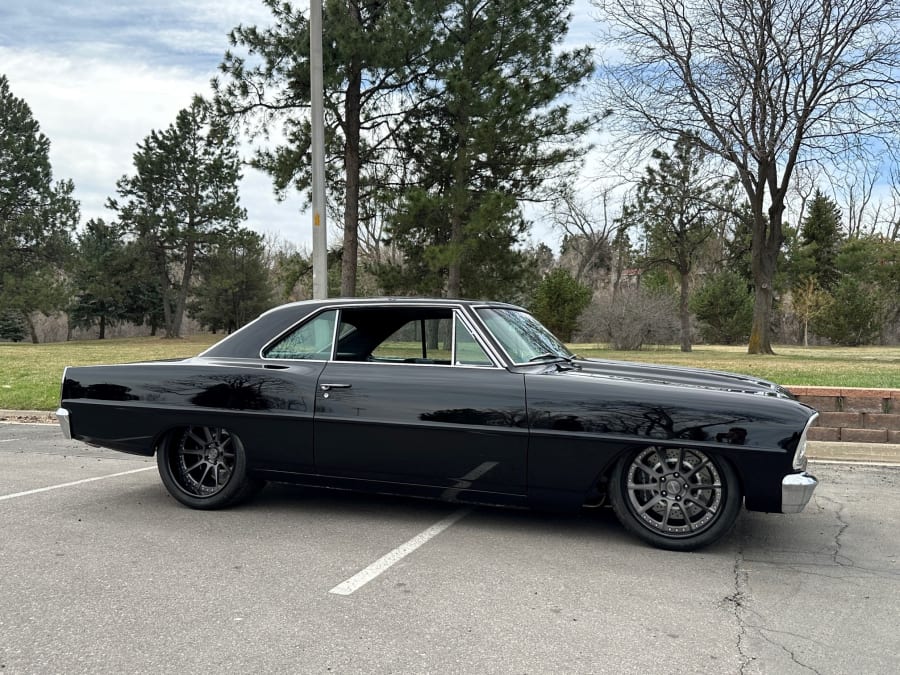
<point>205,474</point>
<point>193,466</point>
<point>701,488</point>
<point>665,519</point>
<point>663,459</point>
<point>650,504</point>
<point>642,486</point>
<point>693,472</point>
<point>700,505</point>
<point>687,516</point>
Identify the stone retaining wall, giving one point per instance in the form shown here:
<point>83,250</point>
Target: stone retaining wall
<point>853,415</point>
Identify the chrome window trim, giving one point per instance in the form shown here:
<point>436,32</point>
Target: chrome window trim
<point>334,333</point>
<point>453,316</point>
<point>496,362</point>
<point>417,365</point>
<point>456,310</point>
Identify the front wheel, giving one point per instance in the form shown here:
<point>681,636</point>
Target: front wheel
<point>205,467</point>
<point>678,499</point>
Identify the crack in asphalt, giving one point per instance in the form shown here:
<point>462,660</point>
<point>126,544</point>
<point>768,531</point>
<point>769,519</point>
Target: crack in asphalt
<point>739,603</point>
<point>812,570</point>
<point>736,600</point>
<point>761,631</point>
<point>837,557</point>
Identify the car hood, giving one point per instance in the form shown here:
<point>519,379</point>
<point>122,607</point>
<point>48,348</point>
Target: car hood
<point>676,376</point>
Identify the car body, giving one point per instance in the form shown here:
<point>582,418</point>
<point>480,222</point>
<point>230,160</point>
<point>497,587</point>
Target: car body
<point>460,400</point>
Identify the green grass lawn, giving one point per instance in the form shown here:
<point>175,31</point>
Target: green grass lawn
<point>876,367</point>
<point>30,374</point>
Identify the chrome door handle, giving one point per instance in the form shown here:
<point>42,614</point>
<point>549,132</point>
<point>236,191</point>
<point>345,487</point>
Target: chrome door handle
<point>329,387</point>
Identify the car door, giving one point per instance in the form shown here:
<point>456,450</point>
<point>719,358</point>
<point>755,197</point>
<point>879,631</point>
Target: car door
<point>413,398</point>
<point>283,436</point>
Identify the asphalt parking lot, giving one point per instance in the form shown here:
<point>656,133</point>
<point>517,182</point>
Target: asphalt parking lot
<point>107,573</point>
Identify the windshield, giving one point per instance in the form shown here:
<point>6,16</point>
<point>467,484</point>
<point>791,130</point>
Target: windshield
<point>522,337</point>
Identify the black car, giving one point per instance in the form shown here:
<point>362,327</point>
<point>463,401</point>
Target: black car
<point>459,400</point>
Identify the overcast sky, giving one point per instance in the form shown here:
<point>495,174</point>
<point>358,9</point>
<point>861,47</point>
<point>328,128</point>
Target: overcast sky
<point>99,75</point>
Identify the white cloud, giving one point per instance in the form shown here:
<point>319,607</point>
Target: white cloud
<point>95,111</point>
<point>100,76</point>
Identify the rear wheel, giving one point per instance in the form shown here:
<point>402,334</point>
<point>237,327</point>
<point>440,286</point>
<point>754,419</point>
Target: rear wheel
<point>679,499</point>
<point>205,467</point>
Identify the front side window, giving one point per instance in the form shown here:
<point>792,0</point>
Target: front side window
<point>468,351</point>
<point>311,341</point>
<point>417,341</point>
<point>522,336</point>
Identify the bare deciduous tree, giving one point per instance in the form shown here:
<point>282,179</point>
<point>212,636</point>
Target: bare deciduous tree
<point>587,234</point>
<point>854,186</point>
<point>765,84</point>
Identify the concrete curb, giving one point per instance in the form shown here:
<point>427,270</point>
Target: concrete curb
<point>887,453</point>
<point>30,416</point>
<point>880,453</point>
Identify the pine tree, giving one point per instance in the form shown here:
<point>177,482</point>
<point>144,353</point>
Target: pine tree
<point>488,132</point>
<point>820,242</point>
<point>101,276</point>
<point>181,200</point>
<point>233,286</point>
<point>12,327</point>
<point>677,203</point>
<point>36,214</point>
<point>372,52</point>
<point>559,302</point>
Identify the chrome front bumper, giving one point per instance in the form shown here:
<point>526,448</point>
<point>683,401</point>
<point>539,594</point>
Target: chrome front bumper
<point>796,491</point>
<point>62,416</point>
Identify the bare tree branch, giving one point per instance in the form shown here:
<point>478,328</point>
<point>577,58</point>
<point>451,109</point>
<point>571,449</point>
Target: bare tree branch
<point>768,85</point>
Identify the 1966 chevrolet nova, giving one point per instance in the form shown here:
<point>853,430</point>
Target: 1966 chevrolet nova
<point>460,400</point>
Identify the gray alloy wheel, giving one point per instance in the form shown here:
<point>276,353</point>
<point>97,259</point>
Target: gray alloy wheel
<point>205,467</point>
<point>675,498</point>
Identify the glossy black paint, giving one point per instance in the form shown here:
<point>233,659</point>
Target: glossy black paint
<point>427,425</point>
<point>542,434</point>
<point>605,415</point>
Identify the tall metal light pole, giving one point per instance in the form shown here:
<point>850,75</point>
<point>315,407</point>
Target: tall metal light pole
<point>317,113</point>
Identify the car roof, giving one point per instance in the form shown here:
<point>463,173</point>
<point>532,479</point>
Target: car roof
<point>391,301</point>
<point>247,342</point>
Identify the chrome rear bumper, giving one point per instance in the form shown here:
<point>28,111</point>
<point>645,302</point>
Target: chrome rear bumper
<point>62,416</point>
<point>796,491</point>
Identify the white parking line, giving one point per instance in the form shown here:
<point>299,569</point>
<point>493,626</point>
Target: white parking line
<point>360,579</point>
<point>74,482</point>
<point>10,440</point>
<point>464,483</point>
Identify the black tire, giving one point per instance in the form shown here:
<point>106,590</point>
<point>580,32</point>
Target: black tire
<point>205,467</point>
<point>679,499</point>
